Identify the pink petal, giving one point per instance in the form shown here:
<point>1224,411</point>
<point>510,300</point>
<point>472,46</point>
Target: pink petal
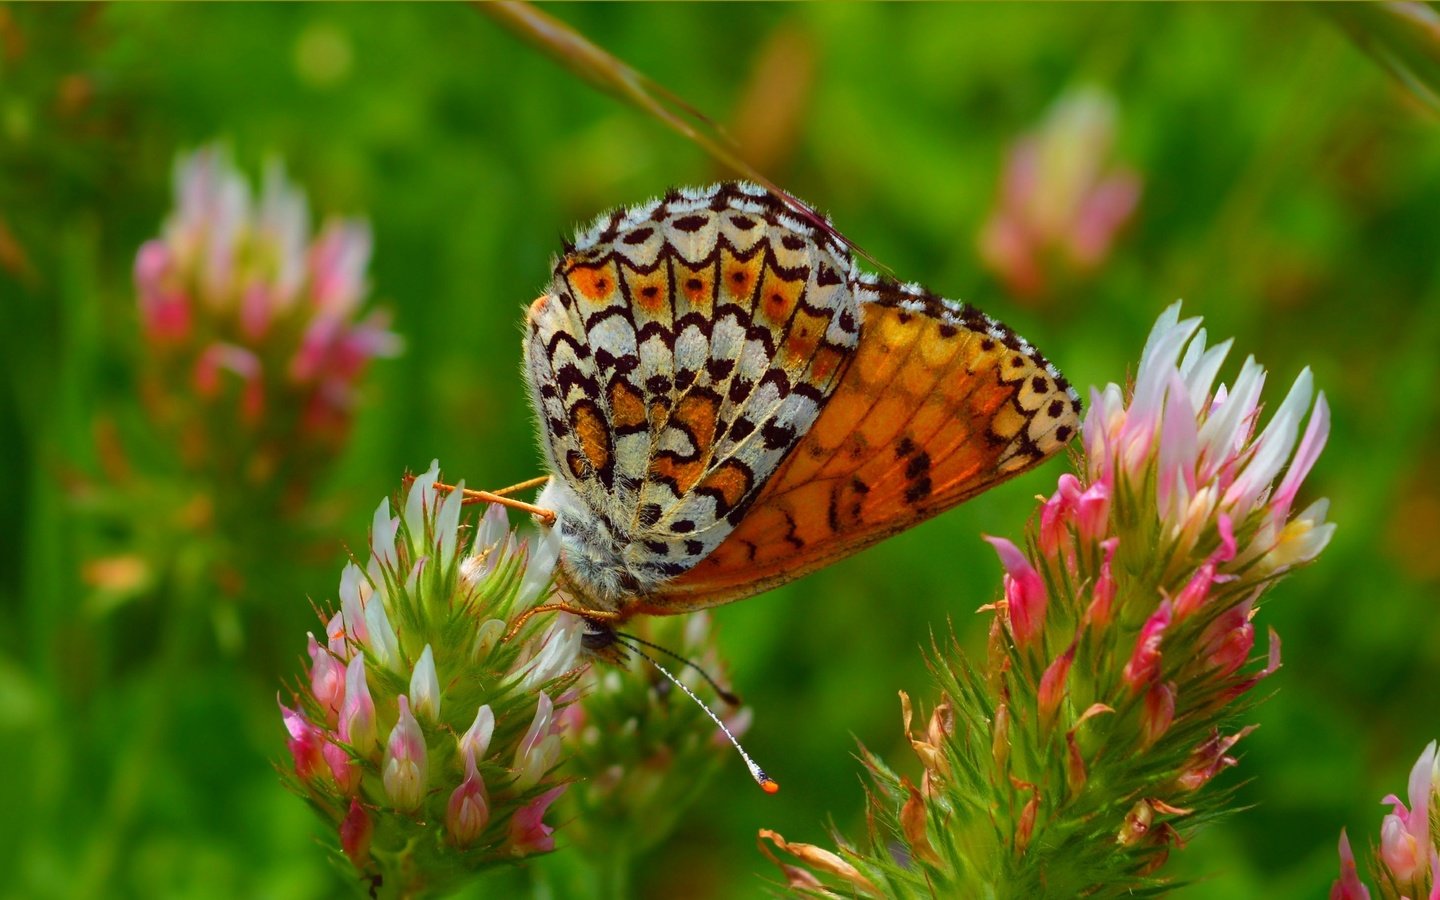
<point>1107,207</point>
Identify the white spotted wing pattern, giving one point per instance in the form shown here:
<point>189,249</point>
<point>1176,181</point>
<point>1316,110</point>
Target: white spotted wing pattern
<point>700,363</point>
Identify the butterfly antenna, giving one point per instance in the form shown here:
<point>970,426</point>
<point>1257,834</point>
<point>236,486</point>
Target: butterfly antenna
<point>767,784</point>
<point>729,698</point>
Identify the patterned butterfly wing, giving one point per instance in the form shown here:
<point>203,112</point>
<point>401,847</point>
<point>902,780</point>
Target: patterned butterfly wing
<point>681,352</point>
<point>939,403</point>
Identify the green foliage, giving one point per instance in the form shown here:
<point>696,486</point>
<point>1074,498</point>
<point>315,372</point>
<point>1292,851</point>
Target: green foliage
<point>1291,191</point>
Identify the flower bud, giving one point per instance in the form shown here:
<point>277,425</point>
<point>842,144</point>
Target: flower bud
<point>1349,886</point>
<point>528,831</point>
<point>1137,824</point>
<point>1024,593</point>
<point>425,686</point>
<point>1229,640</point>
<point>1210,759</point>
<point>1193,595</point>
<point>1052,687</point>
<point>468,811</point>
<point>327,678</point>
<point>1057,514</point>
<point>1025,827</point>
<point>344,769</point>
<point>1144,662</point>
<point>357,713</point>
<point>304,743</point>
<point>1398,848</point>
<point>1075,772</point>
<point>1092,513</point>
<point>1000,737</point>
<point>1158,712</point>
<point>356,831</point>
<point>1102,602</point>
<point>405,766</point>
<point>475,742</point>
<point>540,747</point>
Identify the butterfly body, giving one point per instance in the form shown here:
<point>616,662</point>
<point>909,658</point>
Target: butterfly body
<point>727,402</point>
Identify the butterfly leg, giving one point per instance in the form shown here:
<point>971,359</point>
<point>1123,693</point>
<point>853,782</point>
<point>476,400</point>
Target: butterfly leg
<point>524,485</point>
<point>546,516</point>
<point>598,616</point>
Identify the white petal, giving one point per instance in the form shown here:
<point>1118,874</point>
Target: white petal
<point>383,642</point>
<point>1226,427</point>
<point>352,606</point>
<point>493,527</point>
<point>1272,448</point>
<point>1160,357</point>
<point>540,566</point>
<point>476,739</point>
<point>425,687</point>
<point>447,525</point>
<point>420,499</point>
<point>559,649</point>
<point>1202,376</point>
<point>382,534</point>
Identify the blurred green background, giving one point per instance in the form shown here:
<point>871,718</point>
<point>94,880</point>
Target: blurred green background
<point>1291,196</point>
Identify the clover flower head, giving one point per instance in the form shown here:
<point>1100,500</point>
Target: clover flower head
<point>1120,656</point>
<point>431,755</point>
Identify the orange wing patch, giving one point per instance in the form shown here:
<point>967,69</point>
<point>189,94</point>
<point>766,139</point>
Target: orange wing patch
<point>593,434</point>
<point>594,283</point>
<point>649,291</point>
<point>739,275</point>
<point>694,285</point>
<point>627,406</point>
<point>695,414</point>
<point>778,297</point>
<point>929,413</point>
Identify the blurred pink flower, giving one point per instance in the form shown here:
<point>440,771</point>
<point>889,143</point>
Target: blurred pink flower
<point>1060,203</point>
<point>235,298</point>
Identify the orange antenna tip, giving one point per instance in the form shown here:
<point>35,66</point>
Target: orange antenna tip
<point>766,783</point>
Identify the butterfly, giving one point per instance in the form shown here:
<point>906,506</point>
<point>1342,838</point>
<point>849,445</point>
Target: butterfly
<point>726,402</point>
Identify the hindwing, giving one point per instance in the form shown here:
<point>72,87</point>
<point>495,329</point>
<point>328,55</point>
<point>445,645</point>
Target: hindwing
<point>680,353</point>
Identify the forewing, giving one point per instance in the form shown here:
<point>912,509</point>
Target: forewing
<point>939,403</point>
<point>689,345</point>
